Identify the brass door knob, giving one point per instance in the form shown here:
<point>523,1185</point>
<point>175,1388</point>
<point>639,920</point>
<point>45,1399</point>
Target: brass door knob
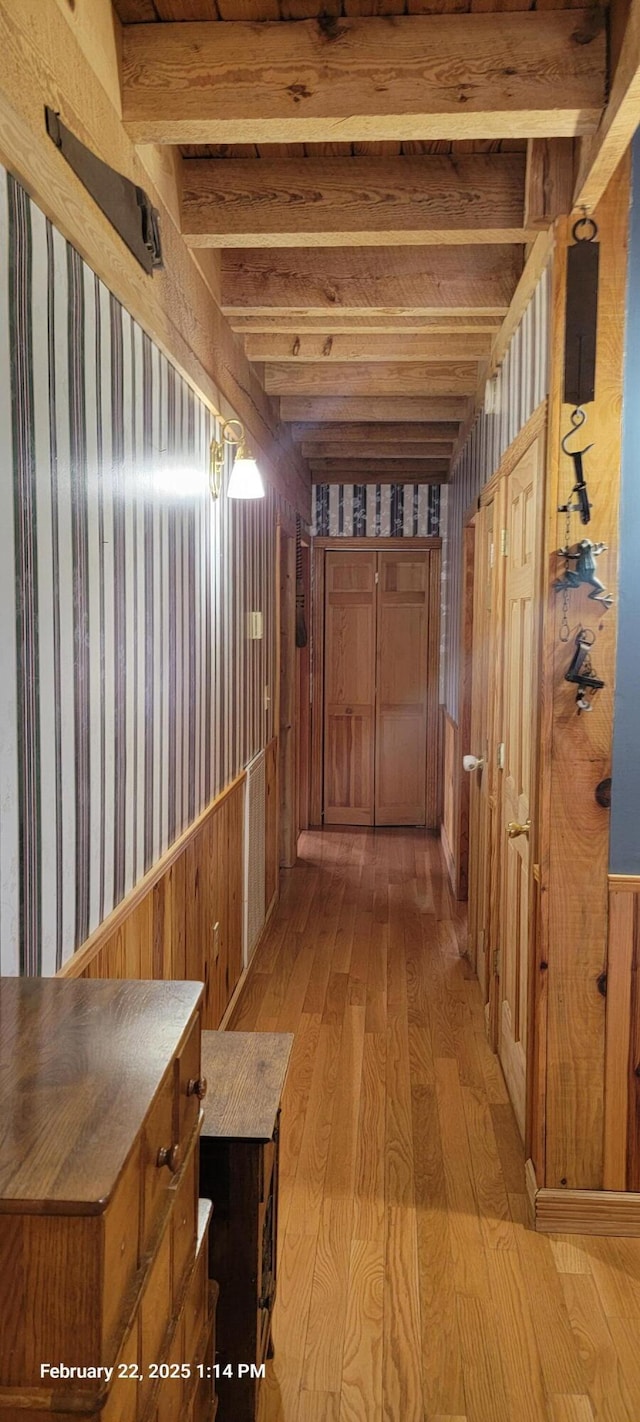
<point>514,829</point>
<point>197,1086</point>
<point>171,1157</point>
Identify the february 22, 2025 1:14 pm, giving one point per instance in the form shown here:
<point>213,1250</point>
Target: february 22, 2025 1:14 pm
<point>162,1371</point>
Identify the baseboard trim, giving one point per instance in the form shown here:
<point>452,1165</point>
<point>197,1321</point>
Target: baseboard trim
<point>597,1212</point>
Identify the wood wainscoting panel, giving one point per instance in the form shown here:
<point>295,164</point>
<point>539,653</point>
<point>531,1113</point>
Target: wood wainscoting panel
<point>451,795</point>
<point>271,823</point>
<point>184,920</point>
<point>622,1037</point>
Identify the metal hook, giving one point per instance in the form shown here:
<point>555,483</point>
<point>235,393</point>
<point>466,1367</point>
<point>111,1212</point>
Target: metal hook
<point>586,227</point>
<point>578,419</point>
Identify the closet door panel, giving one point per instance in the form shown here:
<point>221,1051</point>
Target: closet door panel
<point>401,703</point>
<point>349,692</point>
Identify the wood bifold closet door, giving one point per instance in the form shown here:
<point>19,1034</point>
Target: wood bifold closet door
<point>375,703</point>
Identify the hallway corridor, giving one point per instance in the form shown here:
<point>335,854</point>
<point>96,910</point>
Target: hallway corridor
<point>410,1288</point>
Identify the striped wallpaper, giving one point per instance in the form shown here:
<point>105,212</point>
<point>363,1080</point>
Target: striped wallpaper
<point>130,692</point>
<point>521,385</point>
<point>376,510</point>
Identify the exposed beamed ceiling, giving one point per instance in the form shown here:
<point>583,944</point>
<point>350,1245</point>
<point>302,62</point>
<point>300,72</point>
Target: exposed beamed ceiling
<point>364,192</point>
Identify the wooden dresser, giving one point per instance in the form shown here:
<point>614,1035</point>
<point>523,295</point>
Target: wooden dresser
<point>103,1237</point>
<point>239,1173</point>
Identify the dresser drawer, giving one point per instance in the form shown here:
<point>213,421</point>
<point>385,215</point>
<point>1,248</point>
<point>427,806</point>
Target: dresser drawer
<point>191,1085</point>
<point>121,1245</point>
<point>123,1396</point>
<point>161,1159</point>
<point>172,1390</point>
<point>184,1223</point>
<point>204,1398</point>
<point>196,1303</point>
<point>155,1316</point>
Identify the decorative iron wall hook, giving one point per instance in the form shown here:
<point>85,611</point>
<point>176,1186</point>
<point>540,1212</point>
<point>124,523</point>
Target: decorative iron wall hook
<point>581,672</point>
<point>582,505</point>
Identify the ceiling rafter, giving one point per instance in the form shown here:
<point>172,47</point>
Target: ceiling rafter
<point>531,73</point>
<point>322,202</point>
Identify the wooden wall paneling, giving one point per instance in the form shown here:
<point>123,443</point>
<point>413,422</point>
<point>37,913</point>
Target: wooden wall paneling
<point>633,1062</point>
<point>317,685</point>
<point>167,927</point>
<point>288,701</point>
<point>620,1115</point>
<point>575,751</point>
<point>303,740</point>
<point>178,874</point>
<point>272,857</point>
<point>434,747</point>
<point>234,881</point>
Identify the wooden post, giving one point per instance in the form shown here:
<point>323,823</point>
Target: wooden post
<point>571,841</point>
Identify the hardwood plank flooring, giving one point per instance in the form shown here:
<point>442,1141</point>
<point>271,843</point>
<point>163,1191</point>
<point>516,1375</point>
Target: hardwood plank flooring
<point>411,1286</point>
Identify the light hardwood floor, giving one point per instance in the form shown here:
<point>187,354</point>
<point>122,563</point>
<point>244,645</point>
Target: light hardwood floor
<point>411,1288</point>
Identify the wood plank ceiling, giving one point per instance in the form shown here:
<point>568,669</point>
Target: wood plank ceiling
<point>374,175</point>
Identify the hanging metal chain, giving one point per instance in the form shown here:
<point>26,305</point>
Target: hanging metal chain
<point>565,630</point>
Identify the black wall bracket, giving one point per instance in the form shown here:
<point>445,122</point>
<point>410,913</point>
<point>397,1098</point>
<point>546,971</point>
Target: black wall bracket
<point>126,205</point>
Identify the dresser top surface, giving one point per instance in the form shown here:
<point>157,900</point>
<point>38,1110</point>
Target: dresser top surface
<point>246,1072</point>
<point>80,1064</point>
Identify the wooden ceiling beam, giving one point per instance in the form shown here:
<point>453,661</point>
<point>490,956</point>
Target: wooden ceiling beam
<point>396,280</point>
<point>341,409</point>
<point>600,155</point>
<point>312,435</point>
<point>334,323</point>
<point>394,378</point>
<point>326,350</point>
<point>376,449</point>
<point>551,164</point>
<point>400,77</point>
<point>327,202</point>
<point>377,471</point>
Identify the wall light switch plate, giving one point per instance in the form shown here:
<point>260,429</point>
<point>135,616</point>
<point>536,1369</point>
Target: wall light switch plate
<point>255,626</point>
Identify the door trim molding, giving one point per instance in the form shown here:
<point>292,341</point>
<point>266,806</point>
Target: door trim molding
<point>371,544</point>
<point>316,785</point>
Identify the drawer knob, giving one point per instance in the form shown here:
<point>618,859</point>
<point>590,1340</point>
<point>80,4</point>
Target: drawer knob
<point>169,1156</point>
<point>197,1087</point>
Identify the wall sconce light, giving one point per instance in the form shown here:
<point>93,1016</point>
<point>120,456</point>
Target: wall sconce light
<point>246,480</point>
